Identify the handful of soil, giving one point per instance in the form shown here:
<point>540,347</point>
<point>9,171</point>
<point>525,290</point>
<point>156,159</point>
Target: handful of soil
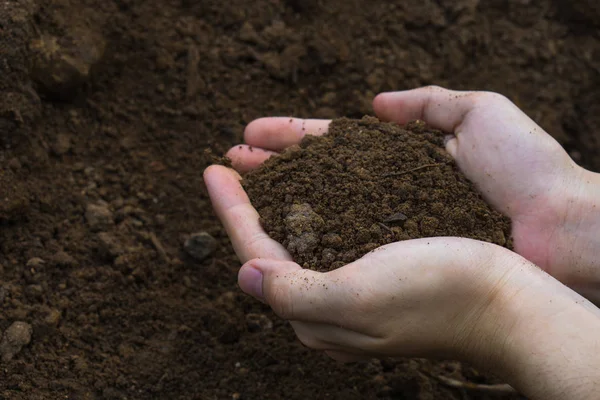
<point>332,199</point>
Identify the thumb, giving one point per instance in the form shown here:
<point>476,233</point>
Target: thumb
<point>294,293</point>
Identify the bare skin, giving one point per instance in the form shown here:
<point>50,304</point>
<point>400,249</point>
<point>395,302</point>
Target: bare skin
<point>447,296</point>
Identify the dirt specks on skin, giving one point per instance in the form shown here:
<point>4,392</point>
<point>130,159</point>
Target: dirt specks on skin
<point>365,184</point>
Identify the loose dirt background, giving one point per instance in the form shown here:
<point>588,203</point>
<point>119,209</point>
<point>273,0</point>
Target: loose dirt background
<point>112,103</point>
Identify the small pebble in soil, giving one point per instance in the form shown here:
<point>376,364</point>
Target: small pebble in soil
<point>62,144</point>
<point>258,322</point>
<point>35,262</point>
<point>200,245</point>
<point>304,228</point>
<point>15,337</point>
<point>53,317</point>
<point>61,64</point>
<point>63,259</point>
<point>109,245</point>
<point>99,216</point>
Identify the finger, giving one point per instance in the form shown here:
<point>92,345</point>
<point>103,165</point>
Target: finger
<point>245,158</point>
<point>278,133</point>
<point>328,337</point>
<point>240,219</point>
<point>440,108</point>
<point>294,293</point>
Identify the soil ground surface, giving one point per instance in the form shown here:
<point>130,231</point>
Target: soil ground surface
<point>365,184</point>
<point>106,108</point>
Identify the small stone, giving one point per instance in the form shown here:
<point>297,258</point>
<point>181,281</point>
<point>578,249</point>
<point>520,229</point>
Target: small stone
<point>53,317</point>
<point>248,33</point>
<point>63,259</point>
<point>200,245</point>
<point>332,240</point>
<point>126,350</point>
<point>15,337</point>
<point>328,256</point>
<point>62,64</point>
<point>98,216</point>
<point>109,245</point>
<point>258,322</point>
<point>398,217</point>
<point>35,262</point>
<point>303,226</point>
<point>329,98</point>
<point>499,238</point>
<point>227,301</point>
<point>62,144</point>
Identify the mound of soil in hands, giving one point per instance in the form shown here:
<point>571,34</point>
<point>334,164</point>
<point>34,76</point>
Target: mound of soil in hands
<point>365,184</point>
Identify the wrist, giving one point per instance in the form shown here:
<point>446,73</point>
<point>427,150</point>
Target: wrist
<point>538,335</point>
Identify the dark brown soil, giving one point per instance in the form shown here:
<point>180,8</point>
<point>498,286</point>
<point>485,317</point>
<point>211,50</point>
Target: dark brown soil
<point>334,198</point>
<point>106,109</point>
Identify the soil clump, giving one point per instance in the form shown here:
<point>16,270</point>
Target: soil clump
<point>334,198</point>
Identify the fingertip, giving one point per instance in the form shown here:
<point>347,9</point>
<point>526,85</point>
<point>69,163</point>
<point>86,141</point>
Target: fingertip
<point>216,174</point>
<point>224,188</point>
<point>211,173</point>
<point>391,106</point>
<point>379,103</point>
<point>254,273</point>
<point>245,158</point>
<point>278,133</point>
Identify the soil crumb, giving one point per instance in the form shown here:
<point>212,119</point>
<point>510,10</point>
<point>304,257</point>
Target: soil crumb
<point>334,198</point>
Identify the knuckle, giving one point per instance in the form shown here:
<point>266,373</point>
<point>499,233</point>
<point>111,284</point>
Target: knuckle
<point>487,98</point>
<point>255,238</point>
<point>435,88</point>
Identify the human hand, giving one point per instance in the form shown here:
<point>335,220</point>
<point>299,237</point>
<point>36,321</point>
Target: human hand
<point>410,298</point>
<point>438,297</point>
<point>522,171</point>
<point>519,168</point>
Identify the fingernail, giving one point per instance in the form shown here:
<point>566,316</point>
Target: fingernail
<point>251,281</point>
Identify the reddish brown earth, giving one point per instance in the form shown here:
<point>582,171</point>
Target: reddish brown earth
<point>334,198</point>
<point>106,109</point>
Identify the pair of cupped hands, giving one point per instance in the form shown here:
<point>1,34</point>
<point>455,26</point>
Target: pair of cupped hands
<point>523,314</point>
